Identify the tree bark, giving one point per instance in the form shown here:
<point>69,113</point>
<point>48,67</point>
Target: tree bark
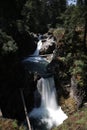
<point>25,109</point>
<point>85,31</point>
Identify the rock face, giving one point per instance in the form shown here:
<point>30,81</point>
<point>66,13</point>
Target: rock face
<point>48,45</point>
<point>76,92</point>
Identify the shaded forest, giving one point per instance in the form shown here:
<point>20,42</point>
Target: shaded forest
<point>21,21</point>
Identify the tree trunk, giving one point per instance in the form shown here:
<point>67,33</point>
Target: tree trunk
<point>85,31</point>
<point>25,110</point>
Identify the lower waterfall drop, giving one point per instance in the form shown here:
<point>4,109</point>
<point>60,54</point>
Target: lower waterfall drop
<point>49,113</point>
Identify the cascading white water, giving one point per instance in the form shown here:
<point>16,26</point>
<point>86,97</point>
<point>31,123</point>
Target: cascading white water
<point>47,91</point>
<point>35,56</point>
<point>39,45</point>
<point>49,112</point>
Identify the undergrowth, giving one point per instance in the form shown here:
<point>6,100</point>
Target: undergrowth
<point>76,121</point>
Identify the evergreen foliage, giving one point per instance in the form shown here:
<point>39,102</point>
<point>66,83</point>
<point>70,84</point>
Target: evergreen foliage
<point>7,44</point>
<point>18,18</point>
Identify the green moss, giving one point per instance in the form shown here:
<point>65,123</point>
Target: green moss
<point>58,33</point>
<point>6,124</point>
<point>15,125</point>
<point>77,121</point>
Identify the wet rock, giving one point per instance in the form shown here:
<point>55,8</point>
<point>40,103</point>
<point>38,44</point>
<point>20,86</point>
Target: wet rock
<point>0,113</point>
<point>48,45</point>
<point>85,104</point>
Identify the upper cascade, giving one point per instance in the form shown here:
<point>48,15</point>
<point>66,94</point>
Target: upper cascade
<point>39,45</point>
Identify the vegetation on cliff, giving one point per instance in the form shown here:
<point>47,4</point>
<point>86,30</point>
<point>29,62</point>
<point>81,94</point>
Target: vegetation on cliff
<point>19,21</point>
<point>76,121</point>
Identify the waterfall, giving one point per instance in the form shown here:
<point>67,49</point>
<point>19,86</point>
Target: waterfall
<point>48,94</point>
<point>39,45</point>
<point>49,112</point>
<point>35,56</point>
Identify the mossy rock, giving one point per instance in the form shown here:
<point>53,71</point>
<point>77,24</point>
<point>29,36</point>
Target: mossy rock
<point>68,105</point>
<point>9,124</point>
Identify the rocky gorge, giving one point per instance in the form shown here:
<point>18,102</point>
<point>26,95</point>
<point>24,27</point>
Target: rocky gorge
<point>16,77</point>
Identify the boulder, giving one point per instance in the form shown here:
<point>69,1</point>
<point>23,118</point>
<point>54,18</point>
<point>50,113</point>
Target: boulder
<point>48,45</point>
